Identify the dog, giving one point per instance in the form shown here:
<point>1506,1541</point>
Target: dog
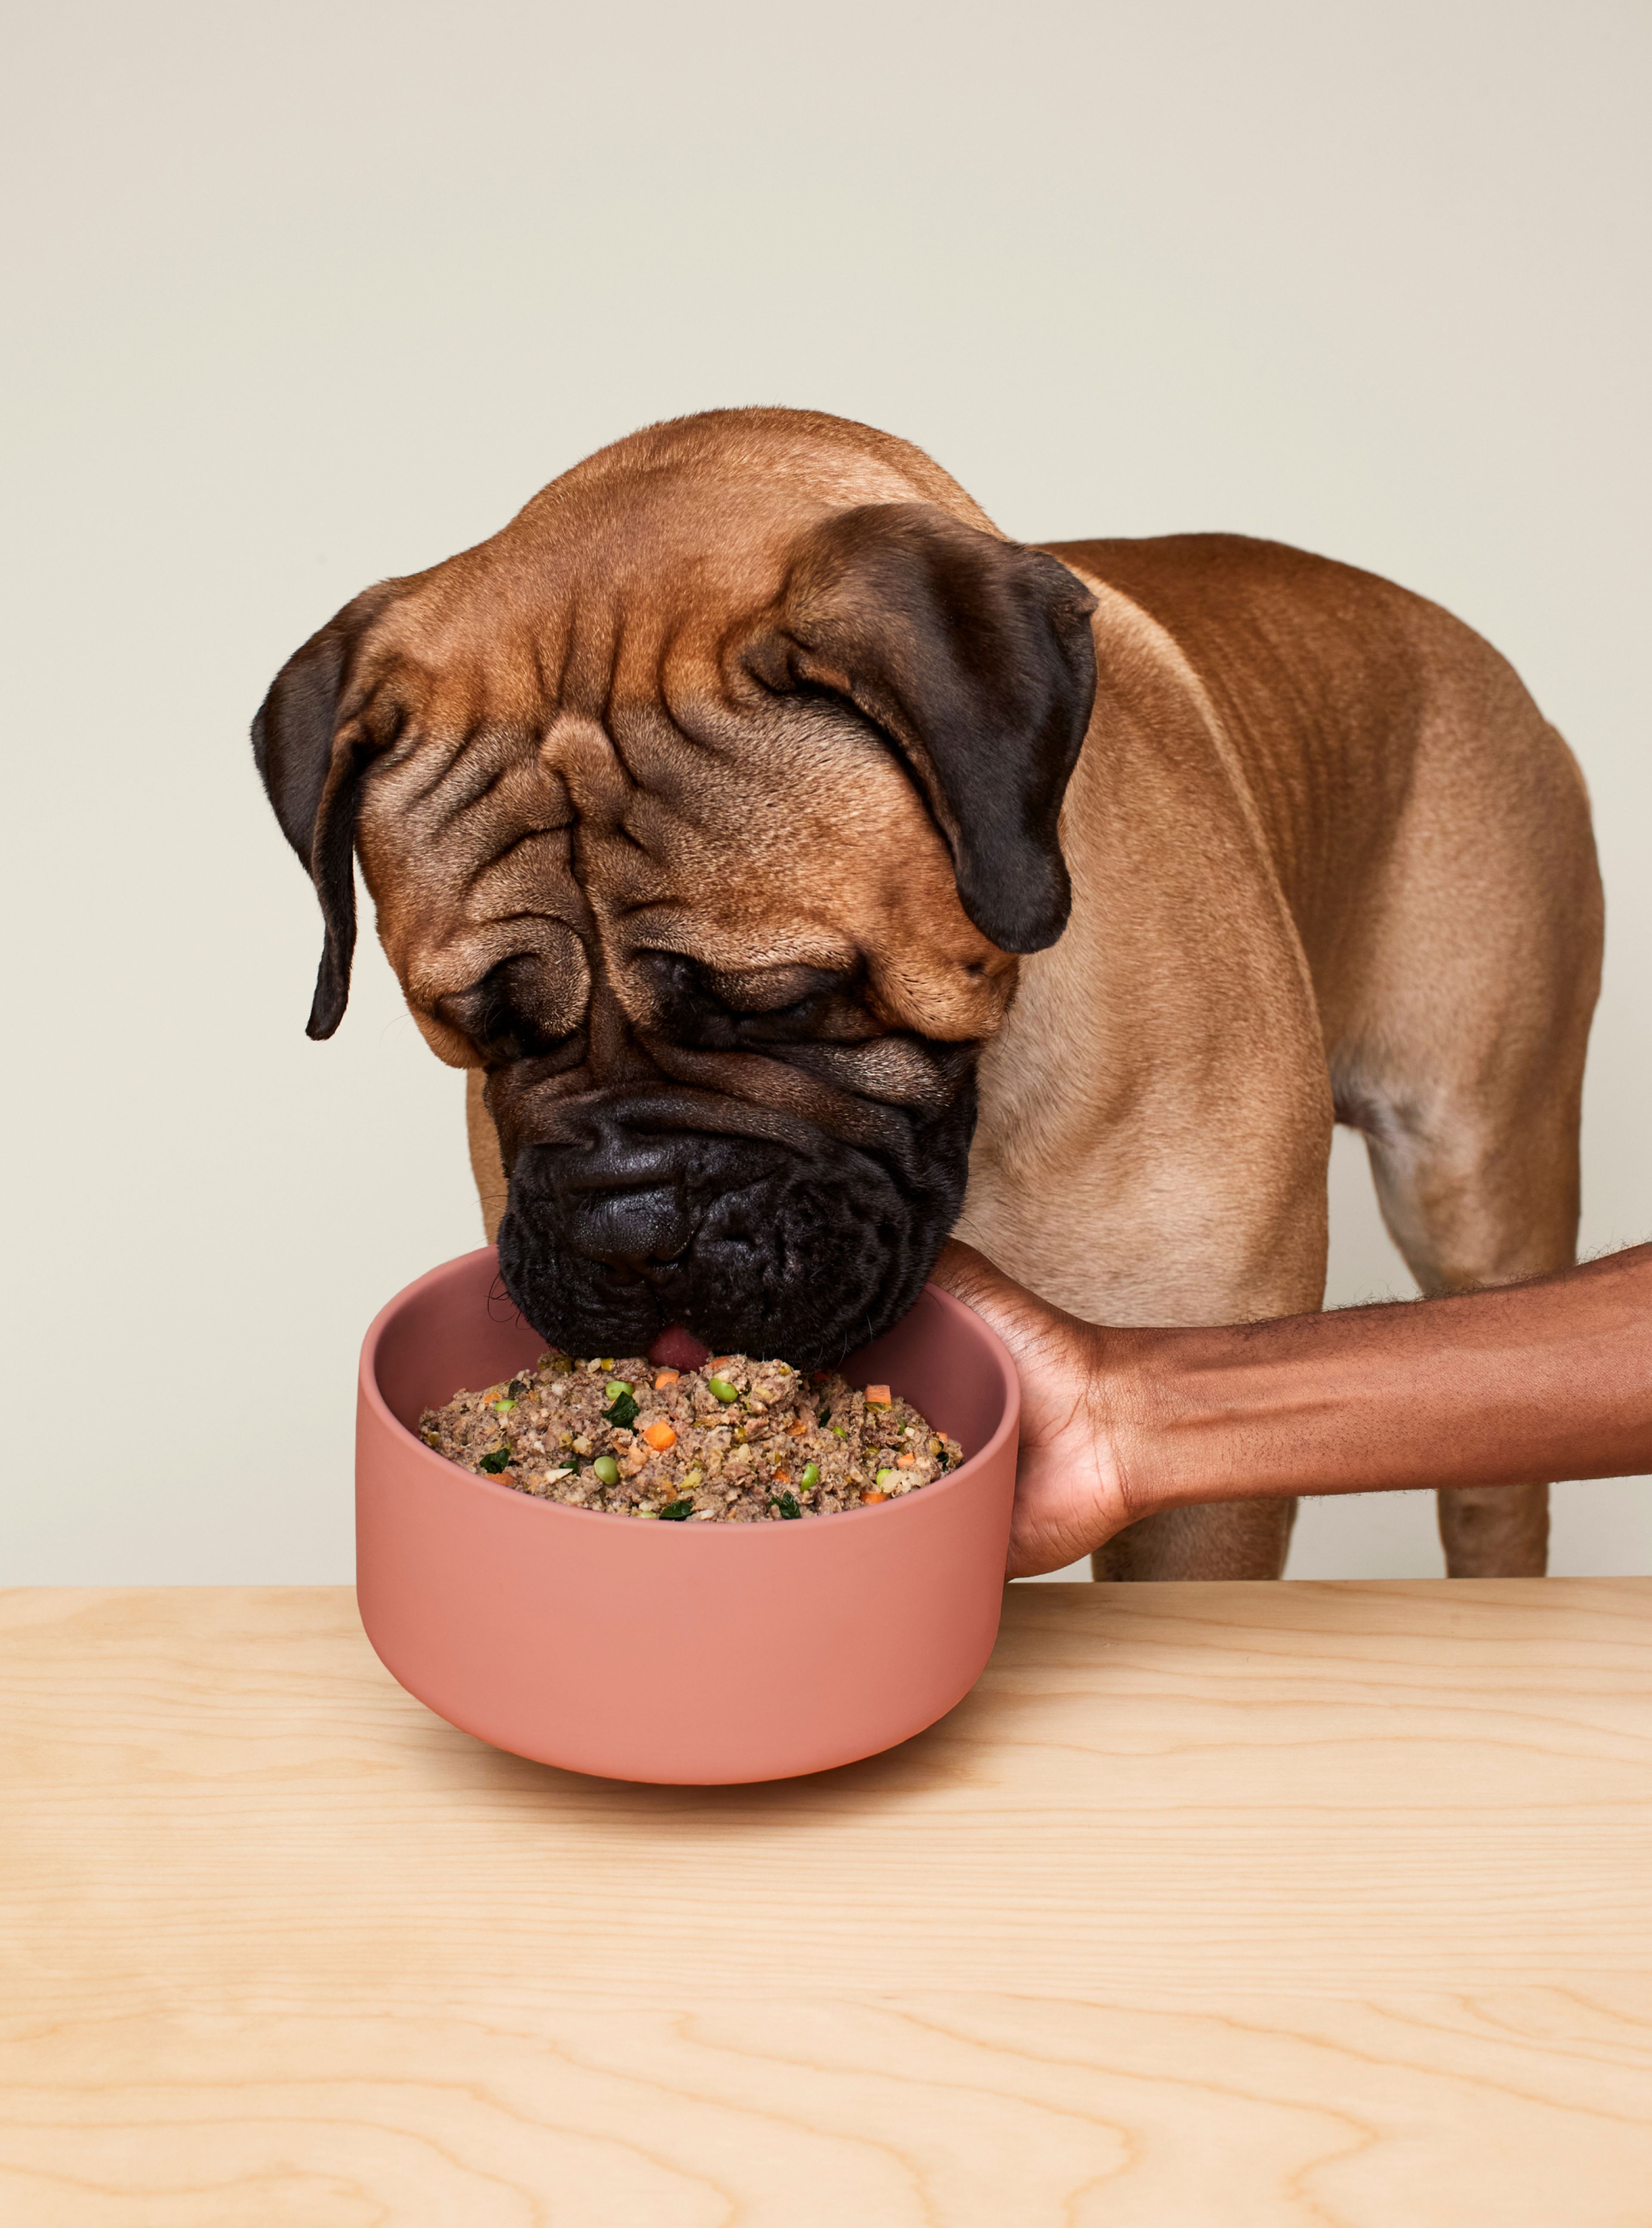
<point>802,870</point>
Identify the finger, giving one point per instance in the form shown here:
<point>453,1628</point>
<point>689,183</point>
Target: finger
<point>1034,1553</point>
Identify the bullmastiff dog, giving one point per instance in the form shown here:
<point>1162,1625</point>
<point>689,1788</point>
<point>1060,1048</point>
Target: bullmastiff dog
<point>802,870</point>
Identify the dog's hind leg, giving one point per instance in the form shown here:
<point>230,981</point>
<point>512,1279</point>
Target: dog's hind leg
<point>1472,1202</point>
<point>1460,1052</point>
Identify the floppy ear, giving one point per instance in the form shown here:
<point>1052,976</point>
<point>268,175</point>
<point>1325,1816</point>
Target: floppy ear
<point>312,741</point>
<point>974,657</point>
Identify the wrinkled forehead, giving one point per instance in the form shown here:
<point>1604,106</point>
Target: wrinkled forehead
<point>602,609</point>
<point>746,835</point>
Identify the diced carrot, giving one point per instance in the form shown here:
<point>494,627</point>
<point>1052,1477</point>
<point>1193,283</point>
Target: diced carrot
<point>798,1427</point>
<point>877,1396</point>
<point>660,1436</point>
<point>783,1477</point>
<point>666,1377</point>
<point>905,1462</point>
<point>868,1498</point>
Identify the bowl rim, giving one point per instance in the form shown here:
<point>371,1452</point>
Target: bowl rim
<point>372,1399</point>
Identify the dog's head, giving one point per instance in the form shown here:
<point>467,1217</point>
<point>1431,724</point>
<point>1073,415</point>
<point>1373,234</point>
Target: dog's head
<point>705,808</point>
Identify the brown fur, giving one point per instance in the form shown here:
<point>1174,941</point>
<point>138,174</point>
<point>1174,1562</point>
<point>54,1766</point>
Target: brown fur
<point>1329,863</point>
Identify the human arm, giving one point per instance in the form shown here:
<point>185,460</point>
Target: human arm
<point>1551,1379</point>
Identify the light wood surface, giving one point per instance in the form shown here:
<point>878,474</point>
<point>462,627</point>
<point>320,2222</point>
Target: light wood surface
<point>1213,1904</point>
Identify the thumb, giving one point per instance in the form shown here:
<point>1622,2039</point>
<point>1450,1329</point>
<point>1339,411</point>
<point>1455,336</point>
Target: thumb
<point>1015,1314</point>
<point>968,1276</point>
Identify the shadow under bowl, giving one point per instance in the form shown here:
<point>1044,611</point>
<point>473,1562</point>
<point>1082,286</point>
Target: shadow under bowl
<point>689,1654</point>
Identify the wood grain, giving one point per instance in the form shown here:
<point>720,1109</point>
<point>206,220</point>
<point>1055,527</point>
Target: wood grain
<point>1226,1904</point>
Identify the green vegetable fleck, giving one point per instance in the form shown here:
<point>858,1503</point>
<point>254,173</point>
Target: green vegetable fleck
<point>786,1503</point>
<point>824,1418</point>
<point>495,1461</point>
<point>623,1410</point>
<point>675,1512</point>
<point>811,1478</point>
<point>607,1469</point>
<point>722,1390</point>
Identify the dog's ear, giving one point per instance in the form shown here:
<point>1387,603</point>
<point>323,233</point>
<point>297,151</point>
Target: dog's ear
<point>974,657</point>
<point>314,737</point>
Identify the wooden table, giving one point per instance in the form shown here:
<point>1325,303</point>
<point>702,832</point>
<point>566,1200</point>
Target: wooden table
<point>1213,1905</point>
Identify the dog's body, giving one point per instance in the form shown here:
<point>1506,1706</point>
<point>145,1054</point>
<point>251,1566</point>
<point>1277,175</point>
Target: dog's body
<point>701,716</point>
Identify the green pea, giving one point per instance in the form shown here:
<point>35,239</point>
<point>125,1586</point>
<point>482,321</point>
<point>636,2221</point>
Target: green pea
<point>885,1479</point>
<point>615,1386</point>
<point>811,1478</point>
<point>722,1390</point>
<point>607,1469</point>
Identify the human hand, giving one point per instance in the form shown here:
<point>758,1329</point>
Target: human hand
<point>1070,1482</point>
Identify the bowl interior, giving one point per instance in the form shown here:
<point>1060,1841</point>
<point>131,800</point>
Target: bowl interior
<point>455,1329</point>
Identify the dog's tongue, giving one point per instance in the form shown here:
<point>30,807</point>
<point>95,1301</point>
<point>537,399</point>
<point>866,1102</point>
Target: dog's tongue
<point>677,1348</point>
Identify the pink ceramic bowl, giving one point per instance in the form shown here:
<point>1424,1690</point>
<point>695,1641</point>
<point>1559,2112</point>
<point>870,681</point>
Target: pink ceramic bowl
<point>688,1652</point>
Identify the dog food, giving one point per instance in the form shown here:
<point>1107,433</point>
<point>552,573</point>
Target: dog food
<point>735,1442</point>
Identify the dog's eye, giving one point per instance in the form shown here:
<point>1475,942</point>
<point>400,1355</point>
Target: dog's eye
<point>768,1024</point>
<point>505,1014</point>
<point>772,991</point>
<point>794,1005</point>
<point>723,1009</point>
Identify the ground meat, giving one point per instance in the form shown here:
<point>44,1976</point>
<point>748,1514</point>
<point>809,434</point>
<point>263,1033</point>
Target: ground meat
<point>736,1442</point>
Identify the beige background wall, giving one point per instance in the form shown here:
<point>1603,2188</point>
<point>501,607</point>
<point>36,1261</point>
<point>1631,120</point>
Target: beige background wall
<point>302,296</point>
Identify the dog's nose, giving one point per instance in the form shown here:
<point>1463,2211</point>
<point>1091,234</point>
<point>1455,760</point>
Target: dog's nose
<point>633,1230</point>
